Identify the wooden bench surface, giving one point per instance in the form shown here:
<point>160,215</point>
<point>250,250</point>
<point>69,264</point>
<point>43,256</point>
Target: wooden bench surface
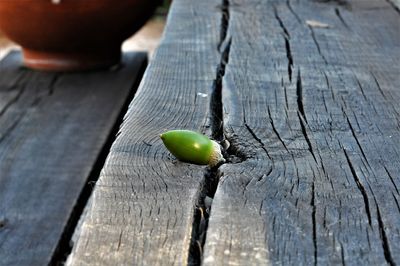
<point>307,95</point>
<point>303,95</point>
<point>54,130</point>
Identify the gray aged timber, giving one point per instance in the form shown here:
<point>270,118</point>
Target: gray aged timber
<point>314,109</point>
<point>142,209</point>
<point>52,129</point>
<point>308,91</point>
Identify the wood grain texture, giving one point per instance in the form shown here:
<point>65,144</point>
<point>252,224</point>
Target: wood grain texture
<point>313,112</point>
<point>142,208</point>
<point>52,129</point>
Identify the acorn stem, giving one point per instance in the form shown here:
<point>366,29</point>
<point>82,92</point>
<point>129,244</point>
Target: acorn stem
<point>216,156</point>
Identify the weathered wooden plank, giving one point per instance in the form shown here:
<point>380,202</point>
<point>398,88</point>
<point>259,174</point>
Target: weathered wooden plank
<point>143,206</point>
<point>52,130</point>
<point>311,107</point>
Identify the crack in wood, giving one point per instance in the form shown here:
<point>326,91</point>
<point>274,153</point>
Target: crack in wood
<point>12,101</point>
<point>12,127</point>
<point>52,84</point>
<point>286,36</point>
<point>212,175</point>
<point>314,222</point>
<point>397,202</point>
<point>391,179</point>
<point>35,102</point>
<point>253,134</point>
<point>356,139</point>
<point>360,187</point>
<point>361,88</point>
<point>275,130</point>
<point>224,22</point>
<point>216,106</point>
<point>383,236</point>
<point>292,11</point>
<point>9,130</point>
<point>339,15</point>
<point>299,94</point>
<point>379,87</point>
<point>202,215</point>
<point>337,2</point>
<point>329,85</point>
<point>317,44</point>
<point>342,255</point>
<point>301,114</point>
<point>305,134</point>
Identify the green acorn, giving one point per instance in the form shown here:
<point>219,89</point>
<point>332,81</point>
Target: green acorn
<point>192,147</point>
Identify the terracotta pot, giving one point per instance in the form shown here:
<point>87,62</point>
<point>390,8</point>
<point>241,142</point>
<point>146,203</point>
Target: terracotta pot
<point>67,35</point>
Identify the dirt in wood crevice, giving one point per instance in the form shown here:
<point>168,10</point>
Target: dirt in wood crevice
<point>212,175</point>
<point>216,117</point>
<point>202,214</point>
<point>224,22</point>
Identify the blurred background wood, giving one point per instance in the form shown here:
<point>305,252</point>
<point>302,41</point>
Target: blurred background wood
<point>55,132</point>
